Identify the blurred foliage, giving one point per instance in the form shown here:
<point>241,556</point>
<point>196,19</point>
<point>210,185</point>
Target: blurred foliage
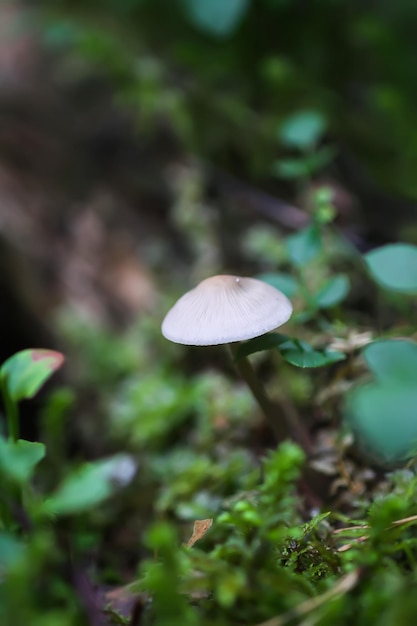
<point>394,267</point>
<point>246,82</point>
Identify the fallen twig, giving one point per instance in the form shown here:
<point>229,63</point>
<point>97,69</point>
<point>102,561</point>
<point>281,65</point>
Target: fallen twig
<point>362,538</point>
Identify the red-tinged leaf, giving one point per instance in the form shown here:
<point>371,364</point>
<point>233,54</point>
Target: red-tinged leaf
<point>24,373</point>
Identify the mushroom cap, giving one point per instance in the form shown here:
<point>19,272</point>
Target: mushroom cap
<point>224,309</point>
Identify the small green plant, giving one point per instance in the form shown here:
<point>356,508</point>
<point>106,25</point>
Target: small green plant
<point>22,375</point>
<point>382,411</point>
<point>302,133</point>
<point>259,562</point>
<point>27,513</point>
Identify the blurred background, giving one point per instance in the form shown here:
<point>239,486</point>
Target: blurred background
<point>140,139</point>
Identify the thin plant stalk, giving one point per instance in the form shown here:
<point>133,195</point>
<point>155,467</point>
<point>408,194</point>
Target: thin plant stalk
<point>12,414</point>
<point>284,424</point>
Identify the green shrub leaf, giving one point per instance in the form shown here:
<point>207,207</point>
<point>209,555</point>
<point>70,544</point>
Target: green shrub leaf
<point>394,267</point>
<point>87,486</point>
<point>284,282</point>
<point>303,129</point>
<point>291,168</point>
<point>311,358</point>
<point>303,166</point>
<point>216,17</point>
<point>259,344</point>
<point>294,351</point>
<point>18,459</point>
<point>392,359</point>
<point>304,246</point>
<point>333,292</point>
<point>383,418</point>
<point>11,550</point>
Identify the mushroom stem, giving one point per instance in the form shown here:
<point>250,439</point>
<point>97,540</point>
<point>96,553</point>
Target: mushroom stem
<point>283,428</point>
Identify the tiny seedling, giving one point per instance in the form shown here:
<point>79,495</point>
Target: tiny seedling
<point>21,377</point>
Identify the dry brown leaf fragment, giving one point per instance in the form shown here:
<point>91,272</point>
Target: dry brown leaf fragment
<point>200,528</point>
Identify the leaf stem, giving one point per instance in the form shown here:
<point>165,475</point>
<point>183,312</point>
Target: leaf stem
<point>12,413</point>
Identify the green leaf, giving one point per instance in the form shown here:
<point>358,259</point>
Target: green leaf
<point>394,267</point>
<point>303,129</point>
<point>87,487</point>
<point>311,358</point>
<point>304,246</point>
<point>259,344</point>
<point>291,168</point>
<point>333,292</point>
<point>161,536</point>
<point>392,360</point>
<point>11,550</point>
<point>18,459</point>
<point>383,418</point>
<point>24,373</point>
<point>320,158</point>
<point>284,282</point>
<point>216,17</point>
<point>294,351</point>
<point>304,166</point>
<point>314,523</point>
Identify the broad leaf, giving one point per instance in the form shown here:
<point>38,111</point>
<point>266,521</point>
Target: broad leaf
<point>303,166</point>
<point>259,344</point>
<point>304,246</point>
<point>394,267</point>
<point>333,292</point>
<point>392,360</point>
<point>295,351</point>
<point>18,459</point>
<point>383,418</point>
<point>312,358</point>
<point>284,282</point>
<point>291,169</point>
<point>87,487</point>
<point>11,550</point>
<point>303,129</point>
<point>216,17</point>
<point>24,373</point>
<point>320,158</point>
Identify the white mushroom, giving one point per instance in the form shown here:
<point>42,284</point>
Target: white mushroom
<point>225,309</point>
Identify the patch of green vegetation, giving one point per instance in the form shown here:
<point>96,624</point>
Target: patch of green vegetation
<point>258,85</point>
<point>271,550</point>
